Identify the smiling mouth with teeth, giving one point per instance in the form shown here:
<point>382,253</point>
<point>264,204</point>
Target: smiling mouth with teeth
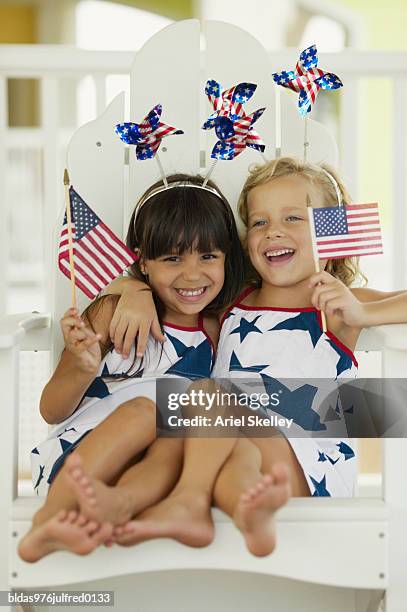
<point>279,255</point>
<point>191,293</point>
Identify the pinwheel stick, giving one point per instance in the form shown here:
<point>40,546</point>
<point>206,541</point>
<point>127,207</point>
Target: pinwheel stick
<point>208,174</point>
<point>277,100</point>
<point>315,252</point>
<point>306,141</point>
<point>161,169</point>
<point>70,241</point>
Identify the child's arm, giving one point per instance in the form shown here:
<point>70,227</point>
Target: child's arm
<point>381,307</point>
<point>79,362</point>
<point>135,316</point>
<point>358,307</point>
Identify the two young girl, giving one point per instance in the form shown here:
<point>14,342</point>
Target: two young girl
<point>276,324</point>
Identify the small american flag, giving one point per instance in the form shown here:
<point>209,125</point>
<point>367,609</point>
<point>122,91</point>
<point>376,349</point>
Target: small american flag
<point>348,231</point>
<point>99,255</point>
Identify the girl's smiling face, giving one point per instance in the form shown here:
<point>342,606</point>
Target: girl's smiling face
<point>186,283</point>
<point>278,233</point>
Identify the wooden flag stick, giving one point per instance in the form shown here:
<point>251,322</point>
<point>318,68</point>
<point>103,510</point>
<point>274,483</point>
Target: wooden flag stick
<point>70,241</point>
<point>315,253</point>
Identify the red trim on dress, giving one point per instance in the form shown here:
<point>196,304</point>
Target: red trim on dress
<point>330,335</point>
<point>193,329</point>
<point>243,307</point>
<point>336,340</point>
<point>251,289</point>
<point>237,301</point>
<point>342,346</point>
<point>181,327</point>
<point>203,330</point>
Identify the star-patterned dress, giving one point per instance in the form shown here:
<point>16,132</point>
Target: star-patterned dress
<point>187,353</point>
<point>287,352</point>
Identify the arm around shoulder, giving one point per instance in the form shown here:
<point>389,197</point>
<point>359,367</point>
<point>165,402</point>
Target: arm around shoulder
<point>123,284</point>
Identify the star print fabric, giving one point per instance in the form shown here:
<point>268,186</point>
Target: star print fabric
<point>285,351</point>
<point>188,353</point>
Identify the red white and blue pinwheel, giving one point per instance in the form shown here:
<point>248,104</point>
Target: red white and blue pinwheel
<point>235,136</point>
<point>228,103</point>
<point>233,127</point>
<point>147,135</point>
<point>307,79</point>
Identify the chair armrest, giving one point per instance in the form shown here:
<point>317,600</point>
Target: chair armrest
<point>31,330</point>
<point>392,337</point>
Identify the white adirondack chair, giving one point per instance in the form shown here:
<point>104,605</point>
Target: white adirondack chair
<point>332,554</point>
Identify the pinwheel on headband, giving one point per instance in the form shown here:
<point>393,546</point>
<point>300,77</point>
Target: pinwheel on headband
<point>147,136</point>
<point>307,80</point>
<point>235,136</point>
<point>233,127</point>
<point>228,103</point>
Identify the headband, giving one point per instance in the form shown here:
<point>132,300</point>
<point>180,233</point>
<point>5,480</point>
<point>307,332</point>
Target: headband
<point>335,184</point>
<point>185,183</point>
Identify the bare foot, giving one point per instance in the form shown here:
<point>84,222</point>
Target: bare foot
<point>64,531</point>
<point>97,500</point>
<point>185,517</point>
<point>254,515</point>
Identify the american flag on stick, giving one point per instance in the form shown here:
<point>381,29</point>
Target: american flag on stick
<point>98,254</point>
<point>347,231</point>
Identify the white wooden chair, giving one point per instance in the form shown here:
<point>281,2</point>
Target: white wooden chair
<point>332,554</point>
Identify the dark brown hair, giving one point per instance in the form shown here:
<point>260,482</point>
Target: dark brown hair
<point>177,220</point>
<point>181,219</point>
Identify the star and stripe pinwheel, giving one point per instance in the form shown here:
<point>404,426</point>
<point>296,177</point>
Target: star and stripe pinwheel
<point>147,135</point>
<point>228,103</point>
<point>233,127</point>
<point>235,136</point>
<point>307,79</point>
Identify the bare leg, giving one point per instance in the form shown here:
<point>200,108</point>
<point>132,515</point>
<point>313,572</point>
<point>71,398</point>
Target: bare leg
<point>104,453</point>
<point>250,498</point>
<point>141,486</point>
<point>185,514</point>
<point>278,450</point>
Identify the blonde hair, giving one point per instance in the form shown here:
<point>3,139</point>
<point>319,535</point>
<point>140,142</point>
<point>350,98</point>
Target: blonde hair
<point>346,269</point>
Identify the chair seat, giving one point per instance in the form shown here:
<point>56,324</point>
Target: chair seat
<point>309,530</point>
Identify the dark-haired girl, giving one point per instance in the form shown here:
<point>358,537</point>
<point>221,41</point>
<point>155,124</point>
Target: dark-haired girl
<point>102,403</point>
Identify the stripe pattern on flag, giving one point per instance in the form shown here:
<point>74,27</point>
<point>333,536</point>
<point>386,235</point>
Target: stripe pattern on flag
<point>348,231</point>
<point>99,256</point>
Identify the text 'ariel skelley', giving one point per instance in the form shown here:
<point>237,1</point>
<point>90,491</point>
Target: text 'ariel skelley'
<point>251,420</point>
